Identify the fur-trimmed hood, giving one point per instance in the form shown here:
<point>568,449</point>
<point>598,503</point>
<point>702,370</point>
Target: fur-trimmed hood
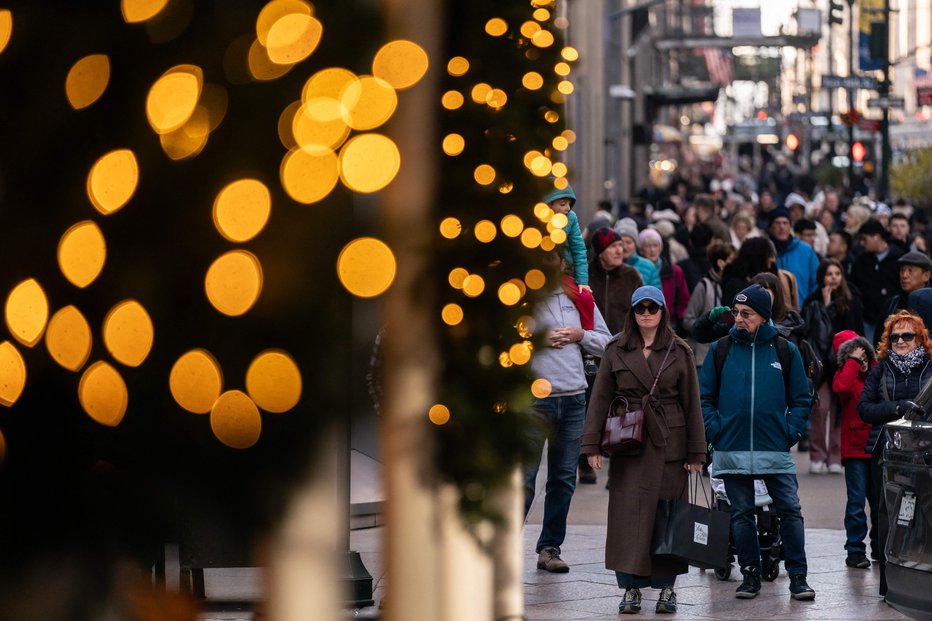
<point>845,349</point>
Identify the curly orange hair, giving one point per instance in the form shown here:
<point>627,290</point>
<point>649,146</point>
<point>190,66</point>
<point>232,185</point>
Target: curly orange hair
<point>922,334</point>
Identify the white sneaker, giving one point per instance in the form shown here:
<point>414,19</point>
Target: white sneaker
<point>835,469</point>
<point>817,467</point>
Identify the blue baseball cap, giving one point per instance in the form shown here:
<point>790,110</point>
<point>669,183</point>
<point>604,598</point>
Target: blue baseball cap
<point>647,292</point>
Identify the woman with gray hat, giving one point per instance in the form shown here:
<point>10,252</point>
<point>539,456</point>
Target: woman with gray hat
<point>647,352</point>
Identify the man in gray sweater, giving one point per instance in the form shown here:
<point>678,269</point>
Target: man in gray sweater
<point>560,413</point>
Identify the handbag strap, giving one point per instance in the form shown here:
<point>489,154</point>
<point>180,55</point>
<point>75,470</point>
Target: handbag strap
<point>660,369</point>
<point>698,483</point>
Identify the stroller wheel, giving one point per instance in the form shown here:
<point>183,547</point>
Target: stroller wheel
<point>771,570</point>
<point>723,574</point>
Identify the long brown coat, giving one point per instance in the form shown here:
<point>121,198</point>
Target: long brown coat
<point>674,434</point>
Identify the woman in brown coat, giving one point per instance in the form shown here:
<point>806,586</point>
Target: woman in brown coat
<point>674,443</point>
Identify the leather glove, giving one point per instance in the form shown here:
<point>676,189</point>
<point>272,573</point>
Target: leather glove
<point>716,313</point>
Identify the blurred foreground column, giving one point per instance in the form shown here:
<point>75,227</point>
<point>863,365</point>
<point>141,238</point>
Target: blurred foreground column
<point>306,555</point>
<point>435,570</point>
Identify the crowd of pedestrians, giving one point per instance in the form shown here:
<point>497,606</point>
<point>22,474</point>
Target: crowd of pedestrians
<point>742,324</point>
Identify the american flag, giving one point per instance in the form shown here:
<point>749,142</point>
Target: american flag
<point>718,61</point>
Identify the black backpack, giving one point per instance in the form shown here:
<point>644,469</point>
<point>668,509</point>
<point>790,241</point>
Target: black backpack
<point>813,366</point>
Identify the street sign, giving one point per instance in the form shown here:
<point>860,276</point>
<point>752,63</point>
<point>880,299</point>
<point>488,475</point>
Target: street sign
<point>849,81</point>
<point>887,102</point>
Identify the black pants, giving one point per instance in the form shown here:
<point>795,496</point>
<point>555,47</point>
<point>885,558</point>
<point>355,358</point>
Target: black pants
<point>883,522</point>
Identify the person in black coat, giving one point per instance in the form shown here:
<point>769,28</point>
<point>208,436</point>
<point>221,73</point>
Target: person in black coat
<point>827,311</point>
<point>876,274</point>
<point>904,368</point>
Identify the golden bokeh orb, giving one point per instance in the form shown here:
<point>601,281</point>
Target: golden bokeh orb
<point>369,162</point>
<point>439,414</point>
<point>87,80</point>
<point>196,381</point>
<point>82,252</point>
<point>234,282</point>
<point>366,267</point>
<point>273,381</point>
<point>241,209</point>
<point>12,374</point>
<point>112,180</point>
<point>128,333</point>
<point>103,394</point>
<point>235,420</point>
<point>69,339</point>
<point>27,312</point>
<point>401,63</point>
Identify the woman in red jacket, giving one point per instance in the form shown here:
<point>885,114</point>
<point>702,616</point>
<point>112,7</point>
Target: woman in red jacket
<point>855,358</point>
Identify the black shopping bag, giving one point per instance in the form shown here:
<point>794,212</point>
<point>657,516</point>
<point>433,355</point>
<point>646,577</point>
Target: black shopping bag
<point>691,533</point>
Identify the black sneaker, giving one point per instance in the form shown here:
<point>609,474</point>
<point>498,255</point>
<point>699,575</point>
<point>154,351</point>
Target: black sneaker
<point>751,585</point>
<point>858,560</point>
<point>799,588</point>
<point>667,601</point>
<point>630,603</point>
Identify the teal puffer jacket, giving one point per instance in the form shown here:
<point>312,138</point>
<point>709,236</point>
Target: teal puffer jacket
<point>751,420</point>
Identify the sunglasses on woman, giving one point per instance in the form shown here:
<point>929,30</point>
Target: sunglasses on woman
<point>652,308</point>
<point>906,337</point>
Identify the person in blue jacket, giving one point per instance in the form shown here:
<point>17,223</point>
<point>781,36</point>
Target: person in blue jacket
<point>752,419</point>
<point>793,255</point>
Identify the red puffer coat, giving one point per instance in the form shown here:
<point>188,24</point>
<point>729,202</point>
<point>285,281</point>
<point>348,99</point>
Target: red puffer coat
<point>848,385</point>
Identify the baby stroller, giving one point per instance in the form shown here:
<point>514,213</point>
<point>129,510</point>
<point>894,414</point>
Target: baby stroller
<point>768,531</point>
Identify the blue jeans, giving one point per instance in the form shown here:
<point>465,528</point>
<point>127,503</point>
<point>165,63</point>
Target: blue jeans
<point>859,487</point>
<point>631,581</point>
<point>559,421</point>
<point>784,490</point>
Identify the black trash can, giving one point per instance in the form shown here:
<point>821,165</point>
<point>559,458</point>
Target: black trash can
<point>908,494</point>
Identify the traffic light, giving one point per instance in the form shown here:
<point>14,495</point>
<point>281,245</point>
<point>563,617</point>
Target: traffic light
<point>792,142</point>
<point>836,12</point>
<point>858,151</point>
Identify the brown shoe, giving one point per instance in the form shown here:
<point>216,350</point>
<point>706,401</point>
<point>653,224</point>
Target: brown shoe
<point>549,560</point>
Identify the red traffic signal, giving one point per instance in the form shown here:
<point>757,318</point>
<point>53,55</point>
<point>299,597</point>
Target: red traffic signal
<point>858,152</point>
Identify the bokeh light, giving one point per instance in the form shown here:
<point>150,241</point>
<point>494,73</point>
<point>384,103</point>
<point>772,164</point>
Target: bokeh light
<point>457,277</point>
<point>234,282</point>
<point>542,38</point>
<point>541,15</point>
<point>529,29</point>
<point>274,11</point>
<point>286,123</point>
<point>328,83</point>
<point>484,174</point>
<point>401,63</point>
<point>532,80</point>
<point>560,143</point>
<point>6,28</point>
<point>128,333</point>
<point>565,87</point>
<point>369,162</point>
<point>113,180</point>
<point>369,102</point>
<point>520,353</point>
<point>173,97</point>
<point>450,228</point>
<point>235,420</point>
<point>512,225</point>
<point>261,67</point>
<point>509,294</point>
<point>27,311</point>
<point>103,394</point>
<point>562,69</point>
<point>366,267</point>
<point>135,11</point>
<point>308,176</point>
<point>453,144</point>
<point>196,381</point>
<point>535,279</point>
<point>292,38</point>
<point>189,139</point>
<point>496,98</point>
<point>485,231</point>
<point>558,236</point>
<point>82,252</point>
<point>87,80</point>
<point>320,122</point>
<point>541,166</point>
<point>457,66</point>
<point>473,285</point>
<point>541,388</point>
<point>273,381</point>
<point>439,414</point>
<point>496,27</point>
<point>559,170</point>
<point>452,100</point>
<point>241,209</point>
<point>452,314</point>
<point>559,220</point>
<point>570,54</point>
<point>479,92</point>
<point>12,374</point>
<point>69,338</point>
<point>530,238</point>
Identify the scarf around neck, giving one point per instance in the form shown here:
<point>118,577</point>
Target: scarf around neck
<point>905,363</point>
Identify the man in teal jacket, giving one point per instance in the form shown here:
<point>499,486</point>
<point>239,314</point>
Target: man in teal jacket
<point>752,419</point>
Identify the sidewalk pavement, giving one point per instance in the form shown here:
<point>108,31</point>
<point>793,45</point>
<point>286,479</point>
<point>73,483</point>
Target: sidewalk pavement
<point>589,592</point>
